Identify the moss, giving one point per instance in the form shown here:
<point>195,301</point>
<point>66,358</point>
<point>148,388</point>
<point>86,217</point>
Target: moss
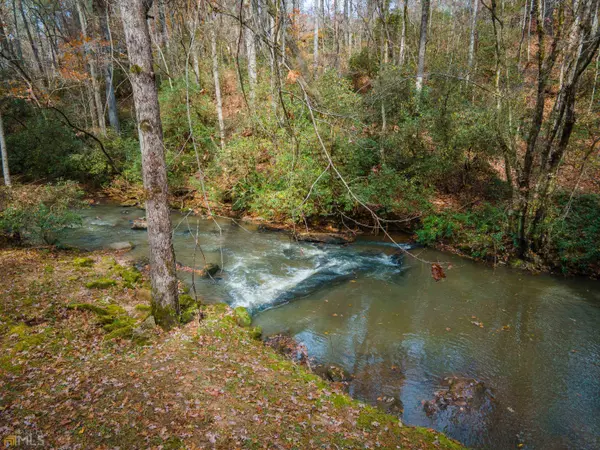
<point>340,400</point>
<point>135,69</point>
<point>166,316</point>
<point>242,316</point>
<point>130,275</point>
<point>122,332</point>
<point>26,337</point>
<point>371,417</point>
<point>88,307</point>
<point>100,283</point>
<point>119,322</point>
<point>256,333</point>
<point>83,262</point>
<point>142,307</point>
<point>189,307</point>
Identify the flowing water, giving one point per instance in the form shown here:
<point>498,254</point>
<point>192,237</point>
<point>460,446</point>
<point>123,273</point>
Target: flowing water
<point>532,341</point>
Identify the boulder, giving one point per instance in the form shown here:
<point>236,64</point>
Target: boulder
<point>121,246</point>
<point>139,224</point>
<point>210,270</point>
<point>325,238</point>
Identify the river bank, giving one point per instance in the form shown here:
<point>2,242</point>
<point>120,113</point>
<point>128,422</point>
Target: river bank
<point>209,384</point>
<point>481,239</point>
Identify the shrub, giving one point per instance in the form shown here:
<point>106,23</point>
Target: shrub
<point>575,233</point>
<point>40,213</point>
<point>480,232</point>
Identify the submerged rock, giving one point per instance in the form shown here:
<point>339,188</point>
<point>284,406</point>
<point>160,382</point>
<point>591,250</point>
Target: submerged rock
<point>139,224</point>
<point>121,246</point>
<point>325,238</point>
<point>288,347</point>
<point>380,384</point>
<point>208,271</point>
<point>461,393</point>
<point>333,373</point>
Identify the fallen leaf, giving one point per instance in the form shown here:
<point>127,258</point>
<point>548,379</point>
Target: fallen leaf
<point>437,272</point>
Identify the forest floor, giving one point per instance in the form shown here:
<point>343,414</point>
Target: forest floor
<point>65,381</point>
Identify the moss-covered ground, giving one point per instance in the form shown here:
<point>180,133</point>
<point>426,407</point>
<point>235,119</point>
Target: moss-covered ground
<point>74,370</point>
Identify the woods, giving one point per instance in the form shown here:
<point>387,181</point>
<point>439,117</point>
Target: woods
<point>447,107</point>
<point>297,224</point>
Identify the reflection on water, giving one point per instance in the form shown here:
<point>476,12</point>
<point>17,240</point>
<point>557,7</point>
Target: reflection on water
<point>401,333</point>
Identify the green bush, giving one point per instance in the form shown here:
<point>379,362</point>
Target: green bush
<point>481,232</point>
<point>40,213</point>
<point>575,233</point>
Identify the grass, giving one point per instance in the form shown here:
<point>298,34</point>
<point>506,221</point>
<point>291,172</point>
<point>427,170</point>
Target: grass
<point>71,370</point>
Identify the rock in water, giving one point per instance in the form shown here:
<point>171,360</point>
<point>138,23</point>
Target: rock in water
<point>210,269</point>
<point>139,224</point>
<point>325,238</point>
<point>121,246</point>
<point>333,373</point>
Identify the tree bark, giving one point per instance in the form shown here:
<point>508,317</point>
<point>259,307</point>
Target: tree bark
<point>402,51</point>
<point>473,33</point>
<point>111,100</point>
<point>165,303</point>
<point>5,170</point>
<point>34,48</point>
<point>422,44</point>
<point>316,37</point>
<point>215,71</point>
<point>250,51</point>
<point>91,57</point>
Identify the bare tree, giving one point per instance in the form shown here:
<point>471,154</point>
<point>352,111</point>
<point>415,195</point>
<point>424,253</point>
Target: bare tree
<point>165,302</point>
<point>250,38</point>
<point>5,170</point>
<point>91,60</point>
<point>215,71</point>
<point>422,44</point>
<point>316,36</point>
<point>471,60</point>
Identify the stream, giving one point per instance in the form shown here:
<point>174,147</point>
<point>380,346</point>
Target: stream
<point>412,344</point>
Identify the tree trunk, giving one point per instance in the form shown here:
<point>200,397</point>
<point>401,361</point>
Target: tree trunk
<point>215,71</point>
<point>165,303</point>
<point>91,57</point>
<point>422,44</point>
<point>34,48</point>
<point>316,37</point>
<point>250,52</point>
<point>5,170</point>
<point>111,100</point>
<point>402,52</point>
<point>471,60</point>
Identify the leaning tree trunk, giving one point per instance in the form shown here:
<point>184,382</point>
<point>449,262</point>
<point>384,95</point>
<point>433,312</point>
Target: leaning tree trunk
<point>422,44</point>
<point>5,170</point>
<point>165,303</point>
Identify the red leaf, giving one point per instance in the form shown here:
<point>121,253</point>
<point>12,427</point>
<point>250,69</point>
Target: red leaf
<point>437,272</point>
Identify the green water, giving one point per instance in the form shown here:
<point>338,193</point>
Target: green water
<point>400,333</point>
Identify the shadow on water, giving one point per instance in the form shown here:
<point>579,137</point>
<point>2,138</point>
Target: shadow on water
<point>495,358</point>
